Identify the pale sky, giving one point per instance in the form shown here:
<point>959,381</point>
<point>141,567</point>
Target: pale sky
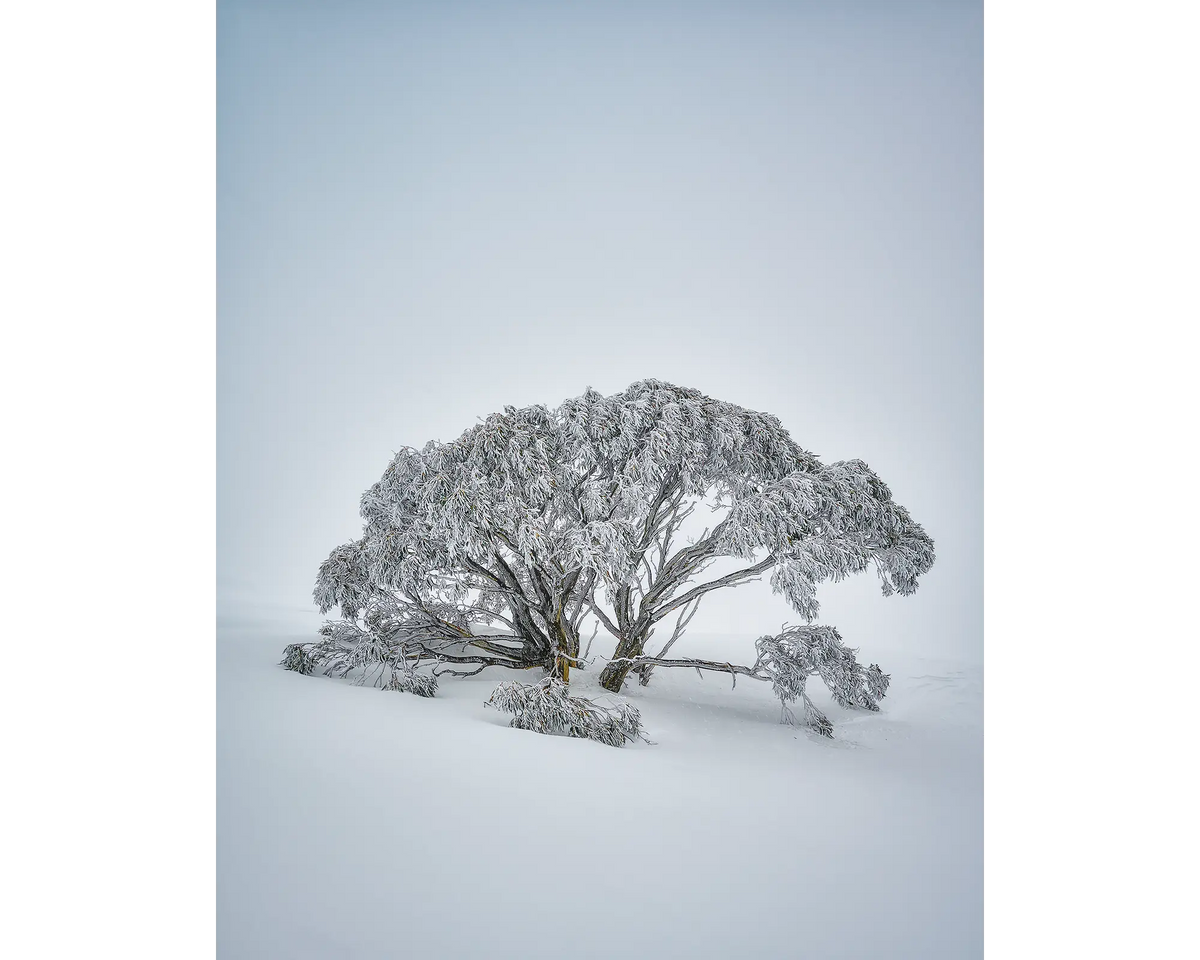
<point>428,211</point>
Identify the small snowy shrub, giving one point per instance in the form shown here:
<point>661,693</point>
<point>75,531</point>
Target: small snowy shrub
<point>545,707</point>
<point>416,683</point>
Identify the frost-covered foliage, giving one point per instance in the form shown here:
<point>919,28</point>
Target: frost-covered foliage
<point>296,657</point>
<point>420,684</point>
<point>790,658</point>
<point>495,548</point>
<point>546,707</point>
<point>347,649</point>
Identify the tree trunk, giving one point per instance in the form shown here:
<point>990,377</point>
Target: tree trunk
<point>566,641</point>
<point>613,675</point>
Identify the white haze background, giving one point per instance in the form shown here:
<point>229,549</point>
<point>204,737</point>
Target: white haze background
<point>428,211</point>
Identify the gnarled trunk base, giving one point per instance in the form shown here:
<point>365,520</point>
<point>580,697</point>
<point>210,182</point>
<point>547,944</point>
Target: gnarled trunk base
<point>614,674</point>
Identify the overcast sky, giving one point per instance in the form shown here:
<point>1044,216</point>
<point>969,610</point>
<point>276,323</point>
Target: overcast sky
<point>428,211</point>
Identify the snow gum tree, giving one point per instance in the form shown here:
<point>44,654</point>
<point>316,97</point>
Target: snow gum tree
<point>499,548</point>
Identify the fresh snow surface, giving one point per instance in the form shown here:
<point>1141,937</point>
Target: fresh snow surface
<point>356,823</point>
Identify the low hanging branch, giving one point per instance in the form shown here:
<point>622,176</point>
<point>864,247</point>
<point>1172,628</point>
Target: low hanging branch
<point>731,668</point>
<point>788,660</point>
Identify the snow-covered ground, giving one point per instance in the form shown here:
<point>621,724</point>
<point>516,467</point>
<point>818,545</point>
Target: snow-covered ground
<point>417,231</point>
<point>353,823</point>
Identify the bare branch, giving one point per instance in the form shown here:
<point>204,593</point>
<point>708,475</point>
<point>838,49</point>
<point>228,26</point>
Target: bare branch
<point>486,661</point>
<point>731,668</point>
<point>729,580</point>
<point>603,618</point>
<point>685,617</point>
<point>491,646</point>
<point>595,630</point>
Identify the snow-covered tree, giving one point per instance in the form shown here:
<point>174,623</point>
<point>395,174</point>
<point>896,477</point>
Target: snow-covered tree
<point>498,548</point>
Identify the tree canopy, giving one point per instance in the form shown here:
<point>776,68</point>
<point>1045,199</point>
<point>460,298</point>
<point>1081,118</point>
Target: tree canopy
<point>497,548</point>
